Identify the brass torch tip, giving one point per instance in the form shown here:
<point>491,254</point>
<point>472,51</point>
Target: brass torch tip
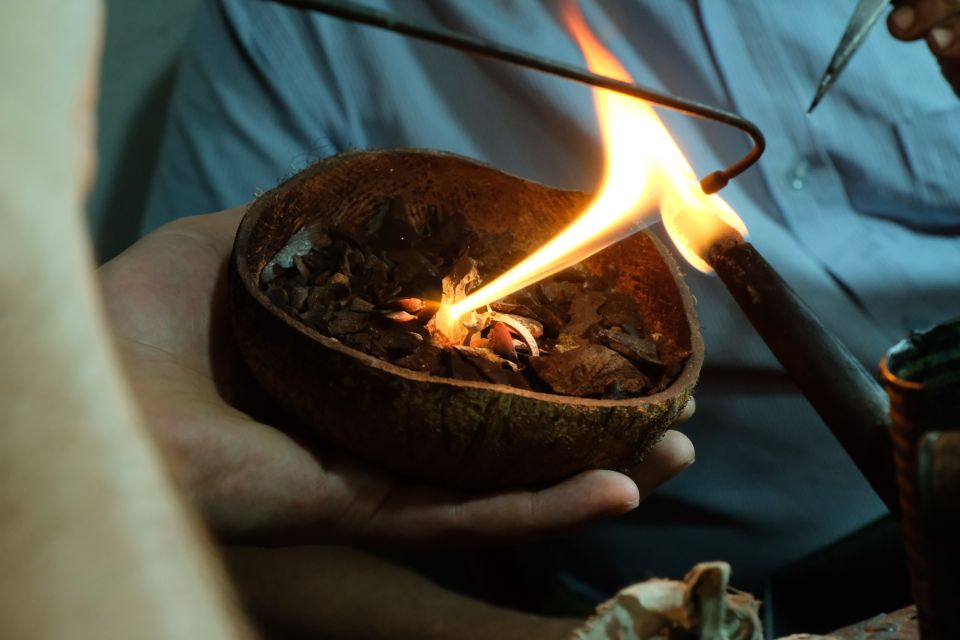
<point>714,182</point>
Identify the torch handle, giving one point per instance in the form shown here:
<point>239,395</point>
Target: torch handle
<point>848,399</point>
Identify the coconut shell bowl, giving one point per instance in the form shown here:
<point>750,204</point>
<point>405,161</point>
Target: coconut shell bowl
<point>443,430</point>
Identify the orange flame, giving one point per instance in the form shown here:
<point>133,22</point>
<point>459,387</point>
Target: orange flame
<point>644,170</point>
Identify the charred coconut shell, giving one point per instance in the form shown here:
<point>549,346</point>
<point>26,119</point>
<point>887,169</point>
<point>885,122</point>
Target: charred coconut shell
<point>443,430</point>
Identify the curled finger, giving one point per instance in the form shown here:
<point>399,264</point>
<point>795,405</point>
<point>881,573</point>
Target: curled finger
<point>944,39</point>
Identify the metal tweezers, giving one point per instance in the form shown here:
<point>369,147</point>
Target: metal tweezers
<point>711,183</point>
<point>864,17</point>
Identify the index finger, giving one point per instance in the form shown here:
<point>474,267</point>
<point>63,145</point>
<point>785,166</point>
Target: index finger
<point>913,19</point>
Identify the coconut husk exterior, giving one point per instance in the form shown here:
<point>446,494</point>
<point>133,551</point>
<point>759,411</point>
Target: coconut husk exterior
<point>441,430</point>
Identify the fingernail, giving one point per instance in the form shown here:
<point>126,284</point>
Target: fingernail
<point>942,37</point>
<point>903,18</point>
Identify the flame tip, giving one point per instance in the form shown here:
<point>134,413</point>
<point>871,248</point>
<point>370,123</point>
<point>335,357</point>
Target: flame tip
<point>644,167</point>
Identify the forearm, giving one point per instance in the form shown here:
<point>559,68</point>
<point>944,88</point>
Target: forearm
<point>98,528</point>
<point>93,542</point>
<point>341,593</point>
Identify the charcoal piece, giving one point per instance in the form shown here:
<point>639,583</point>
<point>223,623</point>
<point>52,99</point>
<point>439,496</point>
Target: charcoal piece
<point>301,266</point>
<point>569,342</point>
<point>423,285</point>
<point>426,357</point>
<point>553,320</point>
<point>340,235</point>
<point>496,373</point>
<point>449,236</point>
<point>344,322</point>
<point>576,273</point>
<point>523,303</point>
<point>521,347</point>
<point>614,392</point>
<point>557,293</point>
<point>619,309</point>
<point>411,265</point>
<point>360,304</point>
<point>669,350</point>
<point>674,358</point>
<point>277,295</point>
<point>317,316</point>
<point>319,277</point>
<point>399,342</point>
<point>340,279</point>
<point>464,274</point>
<point>588,371</point>
<point>673,370</point>
<point>355,262</point>
<point>433,219</point>
<point>391,228</point>
<point>326,294</point>
<point>362,341</point>
<point>278,273</point>
<point>319,238</point>
<point>605,281</point>
<point>335,255</point>
<point>631,328</point>
<point>461,369</point>
<point>374,221</point>
<point>375,275</point>
<point>297,297</point>
<point>419,329</point>
<point>584,312</point>
<point>343,265</point>
<point>523,298</point>
<point>501,306</point>
<point>639,350</point>
<point>316,262</point>
<point>390,291</point>
<point>494,248</point>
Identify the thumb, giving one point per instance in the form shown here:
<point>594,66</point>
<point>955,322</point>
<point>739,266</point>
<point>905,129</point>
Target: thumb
<point>667,459</point>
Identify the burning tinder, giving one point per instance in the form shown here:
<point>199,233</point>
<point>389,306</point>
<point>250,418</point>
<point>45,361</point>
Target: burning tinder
<point>645,172</point>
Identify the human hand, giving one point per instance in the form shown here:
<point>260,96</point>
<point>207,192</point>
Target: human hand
<point>166,302</point>
<point>936,21</point>
<point>323,591</point>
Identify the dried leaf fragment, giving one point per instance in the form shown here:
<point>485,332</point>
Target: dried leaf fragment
<point>589,370</point>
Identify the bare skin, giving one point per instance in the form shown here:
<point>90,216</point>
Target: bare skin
<point>165,301</point>
<point>337,592</point>
<point>938,23</point>
<point>94,541</point>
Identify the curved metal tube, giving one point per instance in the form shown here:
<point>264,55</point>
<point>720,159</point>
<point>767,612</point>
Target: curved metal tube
<point>463,42</point>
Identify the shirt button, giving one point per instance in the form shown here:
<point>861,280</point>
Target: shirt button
<point>798,175</point>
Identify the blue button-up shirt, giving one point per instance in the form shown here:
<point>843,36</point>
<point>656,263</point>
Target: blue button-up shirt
<point>857,205</point>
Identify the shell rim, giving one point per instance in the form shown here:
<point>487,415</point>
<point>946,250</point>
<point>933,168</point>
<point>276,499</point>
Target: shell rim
<point>684,381</point>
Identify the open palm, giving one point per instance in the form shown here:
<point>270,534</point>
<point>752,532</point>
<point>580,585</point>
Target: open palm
<point>166,302</point>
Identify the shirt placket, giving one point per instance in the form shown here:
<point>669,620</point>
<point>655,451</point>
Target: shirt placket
<point>773,88</point>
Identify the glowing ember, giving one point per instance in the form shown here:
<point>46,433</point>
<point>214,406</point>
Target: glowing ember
<point>644,171</point>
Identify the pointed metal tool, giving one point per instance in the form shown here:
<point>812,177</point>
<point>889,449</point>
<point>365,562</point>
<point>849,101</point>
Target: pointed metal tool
<point>864,17</point>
